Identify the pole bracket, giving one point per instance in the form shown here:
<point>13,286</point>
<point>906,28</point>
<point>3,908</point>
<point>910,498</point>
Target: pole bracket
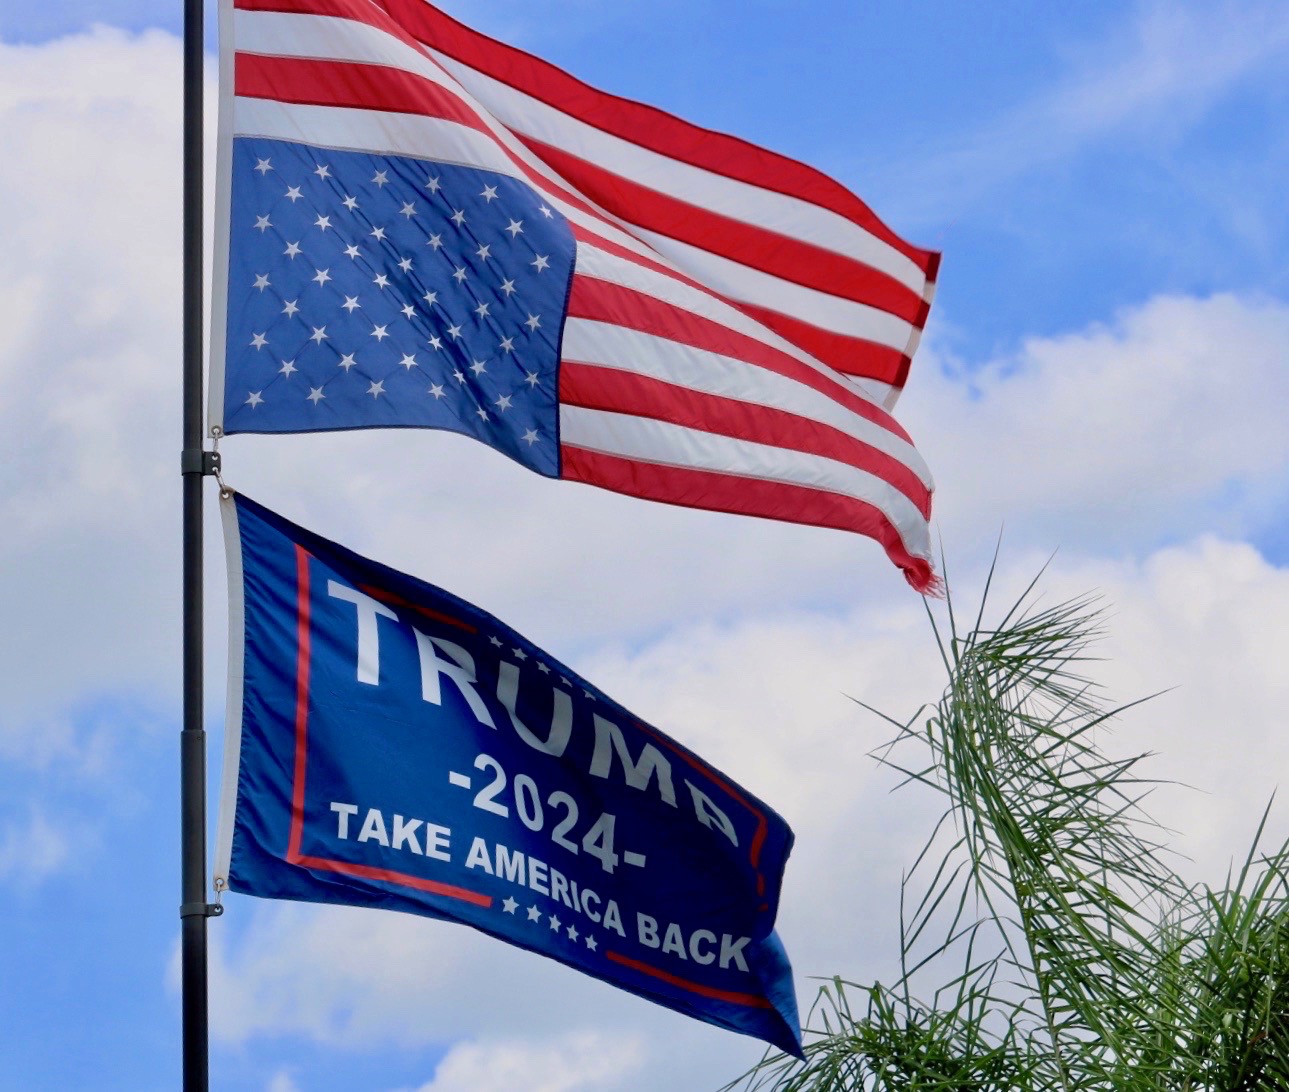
<point>205,463</point>
<point>200,910</point>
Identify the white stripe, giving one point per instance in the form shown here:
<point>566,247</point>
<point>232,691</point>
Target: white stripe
<point>650,441</point>
<point>233,703</point>
<point>593,262</point>
<point>749,285</point>
<point>609,346</point>
<point>753,205</point>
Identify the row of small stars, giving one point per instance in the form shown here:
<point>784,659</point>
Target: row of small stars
<point>535,915</point>
<point>381,331</point>
<point>520,654</point>
<point>484,253</point>
<point>377,388</point>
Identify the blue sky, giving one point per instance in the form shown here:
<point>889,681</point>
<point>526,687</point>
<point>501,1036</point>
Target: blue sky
<point>1104,375</point>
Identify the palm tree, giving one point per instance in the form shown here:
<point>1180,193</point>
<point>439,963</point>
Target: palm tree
<point>1044,942</point>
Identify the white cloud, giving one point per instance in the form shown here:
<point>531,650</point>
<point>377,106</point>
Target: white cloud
<point>579,1062</point>
<point>1162,424</point>
<point>32,851</point>
<point>282,1082</point>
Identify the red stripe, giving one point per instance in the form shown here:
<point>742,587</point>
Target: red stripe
<point>618,391</point>
<point>849,355</point>
<point>744,496</point>
<point>301,699</point>
<point>752,1000</point>
<point>644,125</point>
<point>398,601</point>
<point>748,244</point>
<point>591,298</point>
<point>402,879</point>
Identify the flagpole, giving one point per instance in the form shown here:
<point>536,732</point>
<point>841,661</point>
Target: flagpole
<point>195,464</point>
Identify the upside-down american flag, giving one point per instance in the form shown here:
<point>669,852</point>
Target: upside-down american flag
<point>419,226</point>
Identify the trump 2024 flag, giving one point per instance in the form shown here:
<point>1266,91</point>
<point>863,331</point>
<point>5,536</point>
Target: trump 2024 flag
<point>391,746</point>
<point>419,226</point>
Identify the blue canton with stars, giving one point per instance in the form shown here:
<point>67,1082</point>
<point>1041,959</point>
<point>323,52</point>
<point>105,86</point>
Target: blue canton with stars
<point>369,291</point>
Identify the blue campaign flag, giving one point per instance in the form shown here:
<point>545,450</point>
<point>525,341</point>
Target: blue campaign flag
<point>392,746</point>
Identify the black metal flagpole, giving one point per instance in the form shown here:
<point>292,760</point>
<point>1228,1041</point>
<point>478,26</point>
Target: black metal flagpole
<point>195,464</point>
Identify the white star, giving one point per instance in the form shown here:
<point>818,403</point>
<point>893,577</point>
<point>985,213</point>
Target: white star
<point>530,437</point>
<point>458,217</point>
<point>543,669</point>
<point>351,304</point>
<point>432,184</point>
<point>533,321</point>
<point>589,695</point>
<point>258,341</point>
<point>495,641</point>
<point>457,375</point>
<point>378,234</point>
<point>590,943</point>
<point>509,906</point>
<point>436,390</point>
<point>377,388</point>
<point>430,298</point>
<point>572,932</point>
<point>347,361</point>
<point>263,166</point>
<point>532,379</point>
<point>565,681</point>
<point>435,343</point>
<point>541,262</point>
<point>408,310</point>
<point>545,211</point>
<point>408,361</point>
<point>288,366</point>
<point>482,310</point>
<point>262,222</point>
<point>323,222</point>
<point>379,333</point>
<point>253,399</point>
<point>515,227</point>
<point>261,281</point>
<point>319,334</point>
<point>534,914</point>
<point>484,252</point>
<point>321,171</point>
<point>555,923</point>
<point>293,194</point>
<point>380,179</point>
<point>350,202</point>
<point>483,413</point>
<point>478,367</point>
<point>507,345</point>
<point>292,249</point>
<point>519,654</point>
<point>503,404</point>
<point>380,281</point>
<point>459,276</point>
<point>489,194</point>
<point>454,332</point>
<point>315,395</point>
<point>435,241</point>
<point>322,276</point>
<point>405,264</point>
<point>408,210</point>
<point>289,308</point>
<point>351,251</point>
<point>508,287</point>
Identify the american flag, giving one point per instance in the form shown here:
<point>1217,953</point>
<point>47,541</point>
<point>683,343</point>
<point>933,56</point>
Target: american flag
<point>422,227</point>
